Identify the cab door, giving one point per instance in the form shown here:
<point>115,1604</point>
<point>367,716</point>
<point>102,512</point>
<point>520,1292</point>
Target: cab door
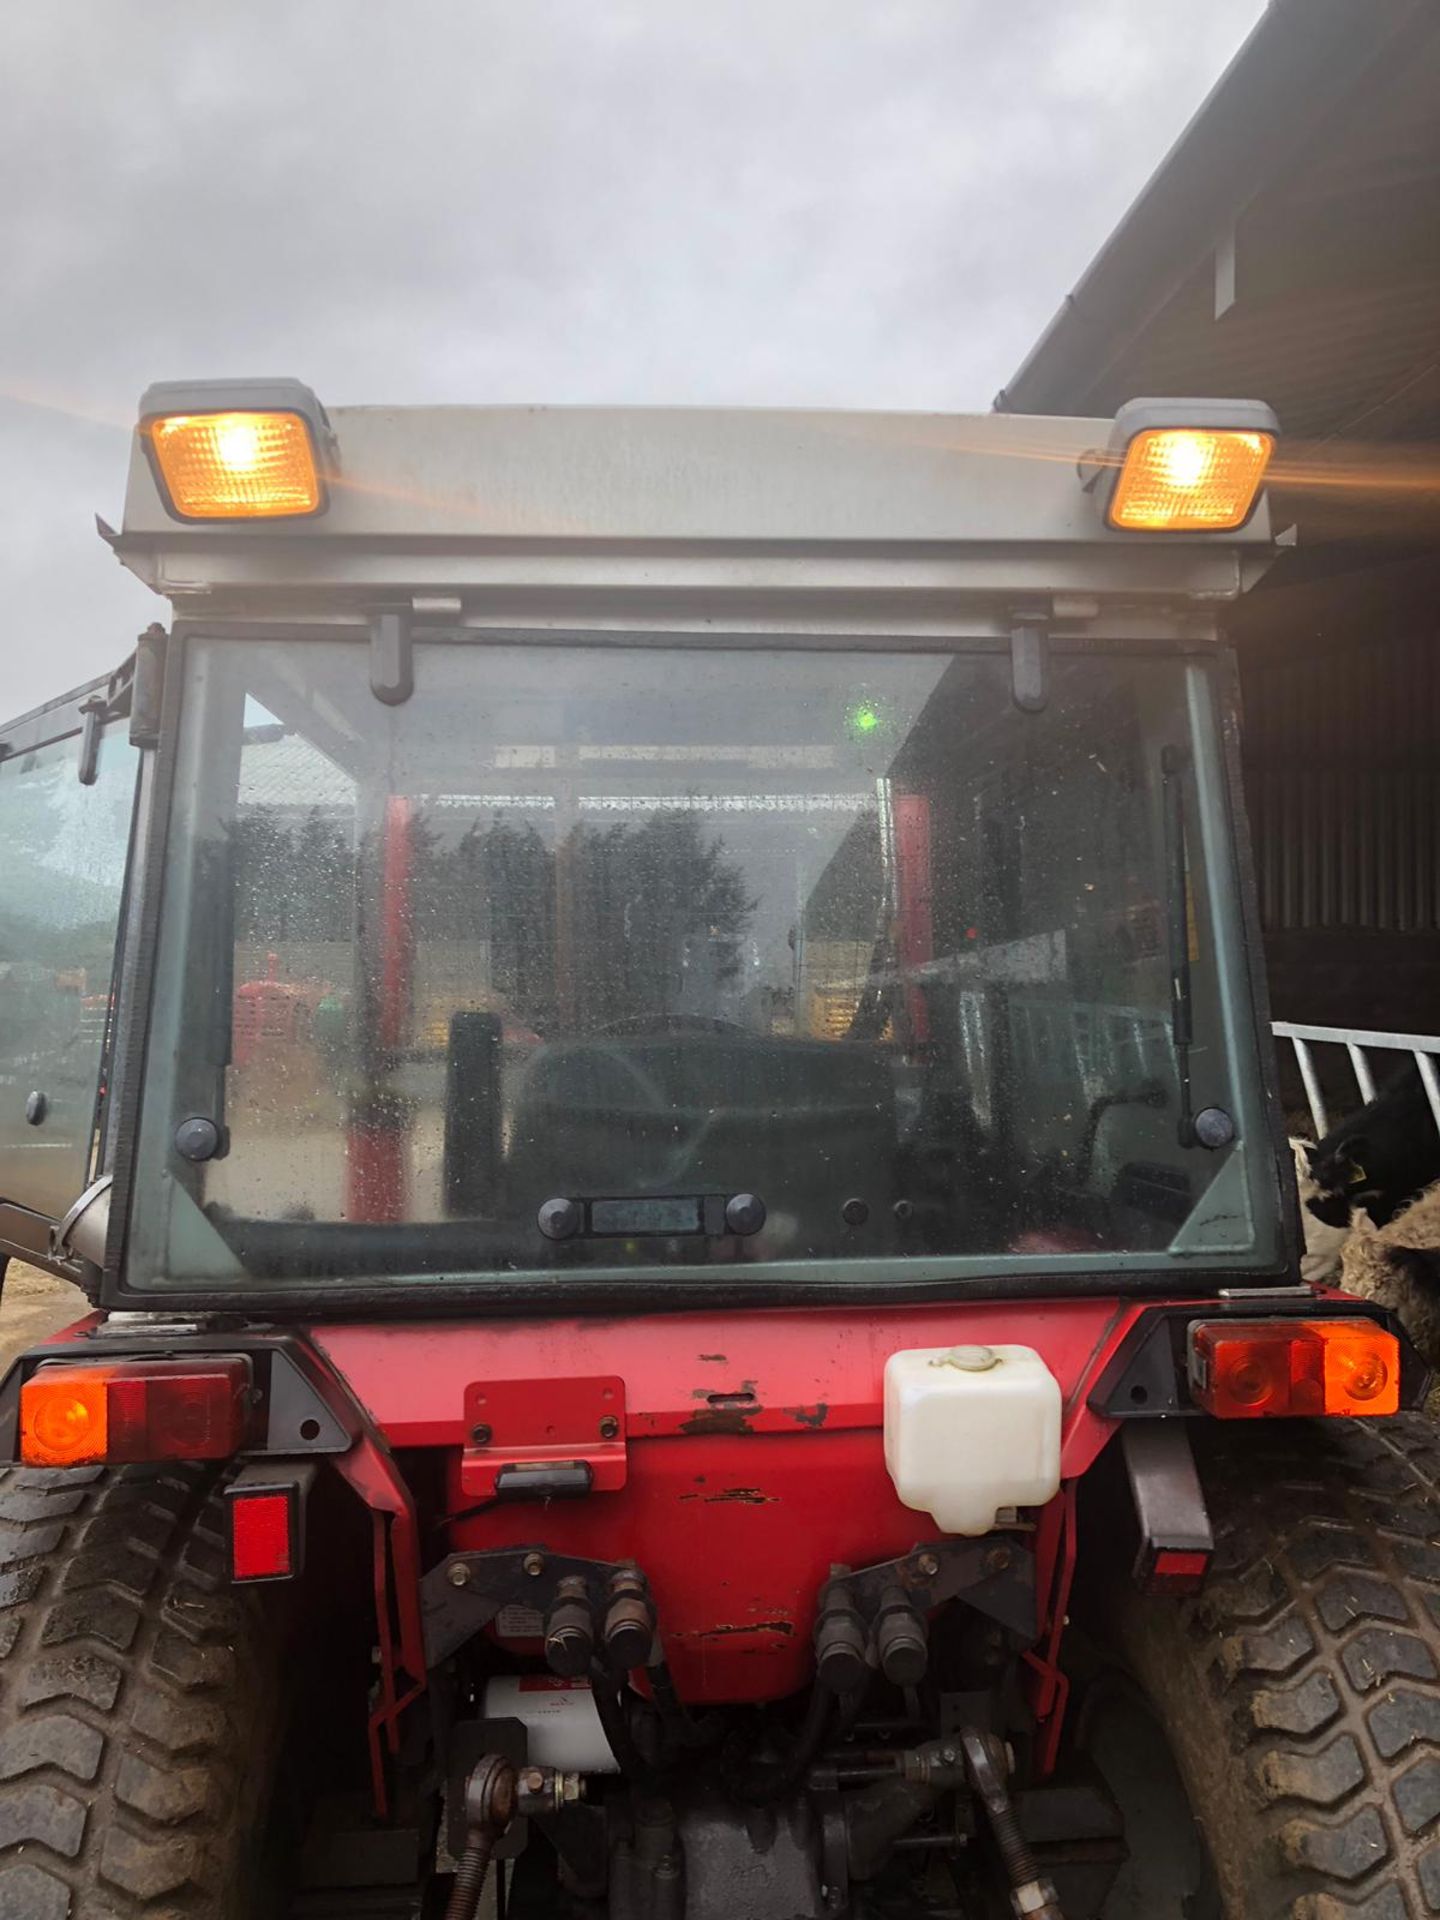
<point>68,784</point>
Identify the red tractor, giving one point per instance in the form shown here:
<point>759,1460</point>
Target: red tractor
<point>693,1255</point>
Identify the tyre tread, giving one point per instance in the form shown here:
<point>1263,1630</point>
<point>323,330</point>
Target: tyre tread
<point>1319,1645</point>
<point>134,1712</point>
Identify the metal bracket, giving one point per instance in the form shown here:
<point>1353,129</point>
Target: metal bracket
<point>1030,662</point>
<point>533,1424</point>
<point>93,718</point>
<point>81,1233</point>
<point>994,1574</point>
<point>465,1592</point>
<point>392,659</point>
<point>147,689</point>
<point>1169,1500</point>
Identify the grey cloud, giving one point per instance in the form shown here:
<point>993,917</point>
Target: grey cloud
<point>807,202</point>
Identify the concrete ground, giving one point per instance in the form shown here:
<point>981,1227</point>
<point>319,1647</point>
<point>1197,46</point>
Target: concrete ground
<point>33,1305</point>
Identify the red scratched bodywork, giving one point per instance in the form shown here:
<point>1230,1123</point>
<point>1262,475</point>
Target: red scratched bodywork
<point>735,1510</point>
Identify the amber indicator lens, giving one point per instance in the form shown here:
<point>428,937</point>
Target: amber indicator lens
<point>1259,1369</point>
<point>237,466</point>
<point>134,1410</point>
<point>1189,480</point>
<point>64,1417</point>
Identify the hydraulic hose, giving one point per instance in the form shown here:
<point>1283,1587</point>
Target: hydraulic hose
<point>782,1776</point>
<point>606,1692</point>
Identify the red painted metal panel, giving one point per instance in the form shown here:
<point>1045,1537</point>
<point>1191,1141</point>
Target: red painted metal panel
<point>754,1447</point>
<point>790,1370</point>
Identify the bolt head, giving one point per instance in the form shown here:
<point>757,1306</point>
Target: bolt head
<point>534,1565</point>
<point>458,1574</point>
<point>560,1219</point>
<point>609,1427</point>
<point>1214,1127</point>
<point>197,1138</point>
<point>928,1564</point>
<point>480,1435</point>
<point>744,1213</point>
<point>997,1560</point>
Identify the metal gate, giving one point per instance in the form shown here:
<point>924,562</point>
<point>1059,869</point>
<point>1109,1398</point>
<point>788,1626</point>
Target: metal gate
<point>1424,1049</point>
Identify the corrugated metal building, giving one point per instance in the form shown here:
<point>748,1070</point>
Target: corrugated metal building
<point>1289,249</point>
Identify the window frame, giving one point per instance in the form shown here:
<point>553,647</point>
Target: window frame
<point>602,1290</point>
<point>28,1233</point>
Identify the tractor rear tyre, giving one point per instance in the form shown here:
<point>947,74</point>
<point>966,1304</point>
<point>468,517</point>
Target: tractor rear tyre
<point>139,1702</point>
<point>1300,1691</point>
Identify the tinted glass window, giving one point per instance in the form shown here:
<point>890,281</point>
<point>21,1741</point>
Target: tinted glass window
<point>62,869</point>
<point>544,968</point>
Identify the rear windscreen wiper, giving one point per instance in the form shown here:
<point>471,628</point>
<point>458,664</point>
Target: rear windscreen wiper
<point>1177,919</point>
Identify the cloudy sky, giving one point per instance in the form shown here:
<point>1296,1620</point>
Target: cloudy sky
<point>848,203</point>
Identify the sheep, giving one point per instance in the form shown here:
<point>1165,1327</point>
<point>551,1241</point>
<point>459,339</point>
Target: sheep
<point>1398,1266</point>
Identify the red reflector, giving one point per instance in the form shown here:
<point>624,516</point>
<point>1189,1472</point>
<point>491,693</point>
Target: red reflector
<point>1266,1369</point>
<point>261,1536</point>
<point>1175,1567</point>
<point>133,1410</point>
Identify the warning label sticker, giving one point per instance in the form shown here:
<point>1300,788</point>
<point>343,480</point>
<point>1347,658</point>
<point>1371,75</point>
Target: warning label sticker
<point>519,1623</point>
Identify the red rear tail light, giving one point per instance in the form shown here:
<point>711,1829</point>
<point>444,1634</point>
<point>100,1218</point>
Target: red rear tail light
<point>73,1416</point>
<point>1266,1369</point>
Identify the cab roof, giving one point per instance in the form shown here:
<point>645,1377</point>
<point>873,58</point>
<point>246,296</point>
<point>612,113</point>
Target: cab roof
<point>506,507</point>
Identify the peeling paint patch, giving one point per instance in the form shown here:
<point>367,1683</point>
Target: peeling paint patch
<point>719,1420</point>
<point>747,1496</point>
<point>815,1416</point>
<point>714,1359</point>
<point>754,1626</point>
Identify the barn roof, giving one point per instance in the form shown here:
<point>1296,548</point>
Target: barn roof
<point>1288,248</point>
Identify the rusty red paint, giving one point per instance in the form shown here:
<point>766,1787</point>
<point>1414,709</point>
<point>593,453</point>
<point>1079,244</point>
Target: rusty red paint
<point>1056,1548</point>
<point>809,1416</point>
<point>825,1495</point>
<point>374,1476</point>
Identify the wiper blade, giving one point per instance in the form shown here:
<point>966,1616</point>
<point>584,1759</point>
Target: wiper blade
<point>1177,917</point>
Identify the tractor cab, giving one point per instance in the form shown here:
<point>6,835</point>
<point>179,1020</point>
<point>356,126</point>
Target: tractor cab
<point>644,1029</point>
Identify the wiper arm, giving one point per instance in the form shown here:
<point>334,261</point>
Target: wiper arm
<point>1177,898</point>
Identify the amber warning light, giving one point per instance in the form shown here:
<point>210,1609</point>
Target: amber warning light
<point>1268,1369</point>
<point>1183,466</point>
<point>230,466</point>
<point>237,450</point>
<point>1184,481</point>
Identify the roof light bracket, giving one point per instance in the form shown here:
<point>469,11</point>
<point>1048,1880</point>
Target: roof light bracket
<point>1030,660</point>
<point>392,659</point>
